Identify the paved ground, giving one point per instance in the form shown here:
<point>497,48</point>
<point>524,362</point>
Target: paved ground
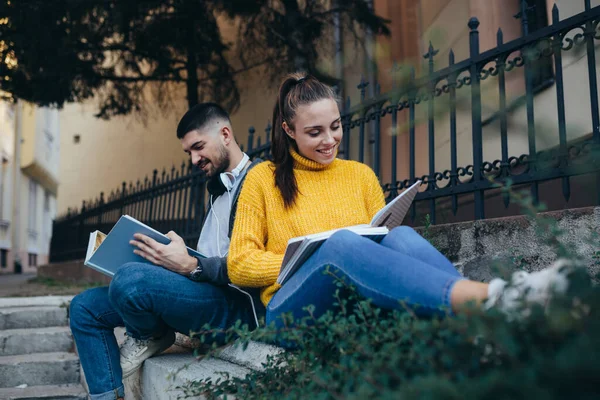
<point>24,285</point>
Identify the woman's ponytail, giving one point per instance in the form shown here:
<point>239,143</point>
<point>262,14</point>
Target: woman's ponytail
<point>285,180</point>
<point>296,90</point>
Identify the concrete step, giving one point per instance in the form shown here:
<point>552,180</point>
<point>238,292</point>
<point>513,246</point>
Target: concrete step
<point>39,369</point>
<point>254,356</point>
<point>162,374</point>
<point>34,301</point>
<point>46,392</point>
<point>35,340</point>
<point>32,317</point>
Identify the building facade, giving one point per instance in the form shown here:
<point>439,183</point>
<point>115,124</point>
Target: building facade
<point>30,148</point>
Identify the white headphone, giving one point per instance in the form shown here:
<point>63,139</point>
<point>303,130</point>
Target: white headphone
<point>227,182</point>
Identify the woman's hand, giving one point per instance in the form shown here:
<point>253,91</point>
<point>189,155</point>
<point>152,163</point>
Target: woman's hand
<point>172,256</point>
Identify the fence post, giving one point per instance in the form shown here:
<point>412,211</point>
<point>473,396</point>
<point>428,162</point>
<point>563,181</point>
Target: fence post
<point>346,121</point>
<point>363,113</point>
<point>476,117</point>
<point>100,208</point>
<point>431,129</point>
<point>151,196</point>
<point>412,102</point>
<point>527,60</point>
<point>251,131</point>
<point>123,192</point>
<point>377,134</point>
<point>80,234</point>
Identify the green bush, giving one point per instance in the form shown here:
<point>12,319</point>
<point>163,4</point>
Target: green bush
<point>359,351</point>
<point>362,352</point>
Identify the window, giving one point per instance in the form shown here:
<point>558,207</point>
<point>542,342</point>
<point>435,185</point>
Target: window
<point>537,17</point>
<point>47,222</point>
<point>47,201</point>
<point>3,257</point>
<point>32,217</point>
<point>32,260</point>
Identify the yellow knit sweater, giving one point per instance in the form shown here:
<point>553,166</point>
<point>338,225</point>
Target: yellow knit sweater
<point>340,194</point>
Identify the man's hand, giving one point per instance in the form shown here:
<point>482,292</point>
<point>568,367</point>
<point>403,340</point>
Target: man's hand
<point>173,256</point>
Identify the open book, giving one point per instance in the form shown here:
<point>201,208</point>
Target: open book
<point>299,249</point>
<point>106,253</point>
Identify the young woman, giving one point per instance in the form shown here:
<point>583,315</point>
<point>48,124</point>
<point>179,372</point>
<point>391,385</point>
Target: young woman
<point>306,189</point>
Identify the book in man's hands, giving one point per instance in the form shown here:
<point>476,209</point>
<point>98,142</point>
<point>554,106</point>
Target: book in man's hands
<point>106,253</point>
<point>299,249</point>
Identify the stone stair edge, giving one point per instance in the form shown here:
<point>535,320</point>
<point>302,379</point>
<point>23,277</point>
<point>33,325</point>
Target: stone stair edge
<point>38,357</point>
<point>161,375</point>
<point>48,329</point>
<point>66,392</point>
<point>252,357</point>
<point>37,301</point>
<point>36,340</point>
<point>33,317</point>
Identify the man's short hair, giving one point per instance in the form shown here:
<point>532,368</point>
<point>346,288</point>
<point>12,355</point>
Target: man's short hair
<point>199,116</point>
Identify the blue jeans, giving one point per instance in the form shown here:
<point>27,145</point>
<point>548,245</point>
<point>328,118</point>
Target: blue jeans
<point>148,301</point>
<point>403,266</point>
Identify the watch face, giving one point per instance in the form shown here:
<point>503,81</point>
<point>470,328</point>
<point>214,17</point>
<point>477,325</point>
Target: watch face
<point>196,274</point>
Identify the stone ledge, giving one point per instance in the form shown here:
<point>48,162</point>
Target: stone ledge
<point>72,272</point>
<point>49,392</point>
<point>57,301</point>
<point>162,374</point>
<point>253,357</point>
<point>474,247</point>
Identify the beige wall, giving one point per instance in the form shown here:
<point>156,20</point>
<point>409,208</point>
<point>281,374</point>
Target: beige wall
<point>126,149</point>
<point>130,148</point>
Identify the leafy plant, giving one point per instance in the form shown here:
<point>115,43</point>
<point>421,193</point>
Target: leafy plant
<point>359,351</point>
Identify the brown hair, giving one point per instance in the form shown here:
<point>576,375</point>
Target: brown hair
<point>296,89</point>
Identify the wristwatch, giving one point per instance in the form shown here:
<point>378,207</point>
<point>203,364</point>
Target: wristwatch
<point>197,274</point>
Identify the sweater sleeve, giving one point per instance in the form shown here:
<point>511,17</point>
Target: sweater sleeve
<point>249,264</point>
<point>375,199</point>
<point>215,269</point>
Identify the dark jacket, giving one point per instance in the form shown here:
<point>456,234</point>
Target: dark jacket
<point>215,268</point>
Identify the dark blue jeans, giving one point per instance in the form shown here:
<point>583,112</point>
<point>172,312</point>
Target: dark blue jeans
<point>403,266</point>
<point>147,300</point>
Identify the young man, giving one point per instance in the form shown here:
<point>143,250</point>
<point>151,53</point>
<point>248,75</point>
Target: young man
<point>173,292</point>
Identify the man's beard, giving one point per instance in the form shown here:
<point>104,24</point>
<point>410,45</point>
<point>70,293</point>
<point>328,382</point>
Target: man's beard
<point>219,165</point>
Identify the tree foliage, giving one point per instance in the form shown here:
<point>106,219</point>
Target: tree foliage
<point>297,35</point>
<point>118,51</point>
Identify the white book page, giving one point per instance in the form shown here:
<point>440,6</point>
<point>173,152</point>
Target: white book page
<point>303,249</point>
<point>394,212</point>
<point>90,248</point>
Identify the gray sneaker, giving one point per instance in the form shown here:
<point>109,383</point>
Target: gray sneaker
<point>529,288</point>
<point>135,351</point>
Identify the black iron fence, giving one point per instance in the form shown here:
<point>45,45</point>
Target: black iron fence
<point>176,199</point>
<point>171,200</point>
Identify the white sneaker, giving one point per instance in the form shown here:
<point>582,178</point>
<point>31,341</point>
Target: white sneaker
<point>135,351</point>
<point>529,288</point>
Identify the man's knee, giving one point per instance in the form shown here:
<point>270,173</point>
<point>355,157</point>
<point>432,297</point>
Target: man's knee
<point>81,306</point>
<point>127,281</point>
